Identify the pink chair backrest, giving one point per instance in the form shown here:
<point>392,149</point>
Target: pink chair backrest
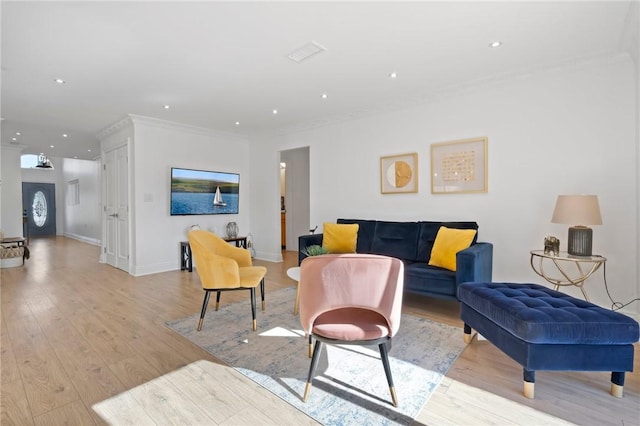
<point>366,281</point>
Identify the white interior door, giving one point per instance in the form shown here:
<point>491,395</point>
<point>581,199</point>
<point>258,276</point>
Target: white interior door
<point>117,208</point>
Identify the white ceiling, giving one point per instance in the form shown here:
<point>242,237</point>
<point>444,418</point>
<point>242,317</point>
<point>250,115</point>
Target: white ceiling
<point>216,63</point>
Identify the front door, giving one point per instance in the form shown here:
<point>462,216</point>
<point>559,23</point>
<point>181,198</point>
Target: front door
<point>39,206</point>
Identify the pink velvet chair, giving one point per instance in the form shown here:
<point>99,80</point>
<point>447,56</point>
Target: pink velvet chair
<point>351,299</point>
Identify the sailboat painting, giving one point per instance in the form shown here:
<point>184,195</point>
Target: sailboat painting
<point>196,192</point>
<point>217,199</point>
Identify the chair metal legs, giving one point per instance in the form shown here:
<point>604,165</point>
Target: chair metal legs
<point>312,368</point>
<point>253,308</point>
<point>262,292</point>
<point>384,356</point>
<point>207,294</point>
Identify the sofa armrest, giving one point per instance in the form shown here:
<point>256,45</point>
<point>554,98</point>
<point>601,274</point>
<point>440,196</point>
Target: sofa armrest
<point>305,241</point>
<point>474,264</point>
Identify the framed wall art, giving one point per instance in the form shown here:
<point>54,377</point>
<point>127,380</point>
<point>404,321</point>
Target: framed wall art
<point>459,166</point>
<point>399,173</point>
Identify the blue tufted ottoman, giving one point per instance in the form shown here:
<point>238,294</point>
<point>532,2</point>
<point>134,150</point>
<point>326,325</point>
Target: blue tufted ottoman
<point>544,329</point>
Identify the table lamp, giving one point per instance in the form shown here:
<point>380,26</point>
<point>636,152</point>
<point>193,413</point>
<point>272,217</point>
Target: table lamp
<point>582,210</point>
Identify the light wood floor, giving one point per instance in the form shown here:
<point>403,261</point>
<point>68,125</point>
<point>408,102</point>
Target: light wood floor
<point>84,343</point>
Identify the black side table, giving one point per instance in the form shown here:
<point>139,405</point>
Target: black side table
<point>186,261</point>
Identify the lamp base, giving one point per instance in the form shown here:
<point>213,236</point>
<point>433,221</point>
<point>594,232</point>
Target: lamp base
<point>580,241</point>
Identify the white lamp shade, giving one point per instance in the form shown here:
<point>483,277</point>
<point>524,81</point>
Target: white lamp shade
<point>577,210</point>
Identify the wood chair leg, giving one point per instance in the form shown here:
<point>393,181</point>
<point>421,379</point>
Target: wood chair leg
<point>207,293</point>
<point>312,369</point>
<point>384,356</point>
<point>253,308</point>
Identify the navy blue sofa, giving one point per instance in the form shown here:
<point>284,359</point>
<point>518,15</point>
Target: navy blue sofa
<point>412,242</point>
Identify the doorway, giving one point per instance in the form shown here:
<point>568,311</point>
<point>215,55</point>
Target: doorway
<point>39,207</point>
<point>295,206</point>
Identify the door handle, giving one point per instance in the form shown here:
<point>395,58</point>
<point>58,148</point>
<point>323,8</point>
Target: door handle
<point>113,215</point>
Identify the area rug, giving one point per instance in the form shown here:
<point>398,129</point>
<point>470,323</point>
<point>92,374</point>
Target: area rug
<point>350,386</point>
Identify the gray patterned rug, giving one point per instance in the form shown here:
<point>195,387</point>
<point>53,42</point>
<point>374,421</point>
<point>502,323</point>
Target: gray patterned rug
<point>350,385</point>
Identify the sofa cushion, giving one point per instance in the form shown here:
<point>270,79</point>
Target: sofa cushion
<point>340,238</point>
<point>396,239</point>
<point>450,241</point>
<point>420,277</point>
<point>428,232</point>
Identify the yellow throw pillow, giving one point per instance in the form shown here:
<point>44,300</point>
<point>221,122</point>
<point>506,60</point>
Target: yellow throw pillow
<point>340,237</point>
<point>448,242</point>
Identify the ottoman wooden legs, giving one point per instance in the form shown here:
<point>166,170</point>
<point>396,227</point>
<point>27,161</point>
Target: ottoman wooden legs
<point>617,383</point>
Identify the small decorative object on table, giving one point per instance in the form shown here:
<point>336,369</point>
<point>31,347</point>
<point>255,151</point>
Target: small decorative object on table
<point>232,229</point>
<point>551,245</point>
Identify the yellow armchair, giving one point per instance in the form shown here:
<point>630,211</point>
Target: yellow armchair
<point>222,267</point>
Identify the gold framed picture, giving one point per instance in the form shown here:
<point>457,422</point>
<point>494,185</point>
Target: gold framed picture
<point>459,166</point>
<point>399,173</point>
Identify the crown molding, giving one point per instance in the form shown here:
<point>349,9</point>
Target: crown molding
<point>572,64</point>
<point>172,125</point>
<point>114,128</point>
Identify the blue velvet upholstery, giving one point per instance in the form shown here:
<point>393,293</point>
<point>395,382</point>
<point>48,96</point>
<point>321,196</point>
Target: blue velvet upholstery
<point>396,239</point>
<point>537,314</point>
<point>543,329</point>
<point>412,243</point>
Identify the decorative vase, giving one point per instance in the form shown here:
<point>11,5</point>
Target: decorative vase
<point>232,229</point>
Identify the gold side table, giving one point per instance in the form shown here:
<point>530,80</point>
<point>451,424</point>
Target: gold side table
<point>566,269</point>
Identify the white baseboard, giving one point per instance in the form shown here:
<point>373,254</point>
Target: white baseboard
<point>270,257</point>
<point>82,238</point>
<point>138,271</point>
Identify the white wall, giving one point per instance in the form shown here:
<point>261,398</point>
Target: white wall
<point>160,145</point>
<point>11,191</point>
<point>563,131</point>
<point>82,221</point>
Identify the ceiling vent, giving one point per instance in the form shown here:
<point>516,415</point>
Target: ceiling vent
<point>306,51</point>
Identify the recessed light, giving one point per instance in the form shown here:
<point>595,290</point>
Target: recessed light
<point>64,135</point>
<point>324,96</point>
<point>14,139</point>
<point>275,111</point>
<point>17,133</point>
<point>495,44</point>
<point>393,75</point>
<point>88,150</point>
<point>51,146</point>
<point>60,81</point>
<point>166,106</point>
<point>237,123</point>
